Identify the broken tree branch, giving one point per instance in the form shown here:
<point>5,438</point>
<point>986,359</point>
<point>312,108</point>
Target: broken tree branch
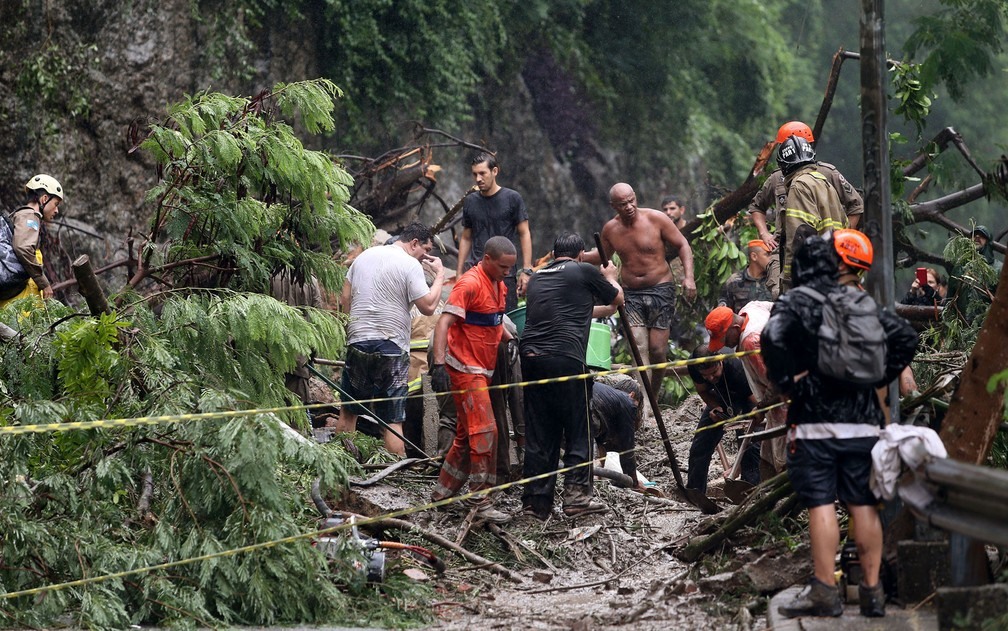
<point>773,490</point>
<point>402,524</point>
<point>87,285</point>
<point>567,588</point>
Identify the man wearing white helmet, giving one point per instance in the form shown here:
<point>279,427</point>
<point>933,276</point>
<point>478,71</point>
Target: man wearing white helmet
<point>44,195</point>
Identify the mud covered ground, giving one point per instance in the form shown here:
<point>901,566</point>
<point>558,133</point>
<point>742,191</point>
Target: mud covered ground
<point>611,570</point>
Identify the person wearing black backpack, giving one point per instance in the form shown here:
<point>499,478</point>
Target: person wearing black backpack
<point>44,196</point>
<point>833,424</point>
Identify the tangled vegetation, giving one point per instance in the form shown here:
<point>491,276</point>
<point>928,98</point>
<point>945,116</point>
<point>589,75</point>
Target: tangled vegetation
<point>240,195</point>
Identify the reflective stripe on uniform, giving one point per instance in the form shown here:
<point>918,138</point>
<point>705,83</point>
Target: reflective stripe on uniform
<point>821,224</point>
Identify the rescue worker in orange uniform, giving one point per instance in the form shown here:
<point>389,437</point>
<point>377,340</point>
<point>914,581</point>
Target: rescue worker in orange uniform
<point>465,354</point>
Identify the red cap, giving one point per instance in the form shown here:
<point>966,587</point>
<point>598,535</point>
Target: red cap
<point>758,243</point>
<point>718,322</point>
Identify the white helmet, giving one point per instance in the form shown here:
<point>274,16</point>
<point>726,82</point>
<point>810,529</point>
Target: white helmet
<point>46,183</point>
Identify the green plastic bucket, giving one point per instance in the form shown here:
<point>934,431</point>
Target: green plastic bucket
<point>599,354</point>
<point>518,317</point>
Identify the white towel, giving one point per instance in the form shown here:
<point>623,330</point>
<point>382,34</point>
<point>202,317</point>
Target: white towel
<point>898,445</point>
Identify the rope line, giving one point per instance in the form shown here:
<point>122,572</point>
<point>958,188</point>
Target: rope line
<point>292,538</point>
<point>40,428</point>
<point>741,417</point>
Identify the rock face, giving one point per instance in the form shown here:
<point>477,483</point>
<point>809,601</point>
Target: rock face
<point>74,76</point>
<point>98,67</point>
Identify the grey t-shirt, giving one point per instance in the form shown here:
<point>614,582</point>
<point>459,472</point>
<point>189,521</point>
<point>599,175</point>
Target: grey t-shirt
<point>494,216</point>
<point>384,282</point>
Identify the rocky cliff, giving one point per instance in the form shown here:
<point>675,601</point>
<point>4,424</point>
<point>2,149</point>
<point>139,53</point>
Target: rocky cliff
<point>76,76</point>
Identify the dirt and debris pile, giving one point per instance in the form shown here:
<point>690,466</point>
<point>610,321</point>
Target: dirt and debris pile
<point>597,571</point>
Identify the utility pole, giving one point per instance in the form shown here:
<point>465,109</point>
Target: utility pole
<point>875,144</point>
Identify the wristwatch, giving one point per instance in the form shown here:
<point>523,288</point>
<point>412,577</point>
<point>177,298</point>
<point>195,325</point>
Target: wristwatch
<point>525,270</point>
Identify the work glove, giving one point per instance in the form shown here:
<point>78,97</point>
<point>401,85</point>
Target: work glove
<point>439,378</point>
<point>512,351</point>
<point>720,415</point>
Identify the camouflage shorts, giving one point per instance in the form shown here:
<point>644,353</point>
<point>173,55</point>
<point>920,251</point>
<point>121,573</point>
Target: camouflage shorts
<point>651,307</point>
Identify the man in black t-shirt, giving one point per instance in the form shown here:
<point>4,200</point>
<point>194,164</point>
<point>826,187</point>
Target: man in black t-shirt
<point>725,390</point>
<point>495,211</point>
<point>562,299</point>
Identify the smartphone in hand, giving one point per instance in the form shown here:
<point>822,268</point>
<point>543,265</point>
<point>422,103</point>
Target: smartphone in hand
<point>922,276</point>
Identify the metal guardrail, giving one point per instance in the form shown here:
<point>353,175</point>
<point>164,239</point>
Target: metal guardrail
<point>970,502</point>
<point>969,499</point>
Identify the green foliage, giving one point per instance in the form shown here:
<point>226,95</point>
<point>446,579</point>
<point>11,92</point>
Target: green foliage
<point>676,389</point>
<point>51,78</point>
<point>960,42</point>
<point>913,101</point>
<point>70,499</point>
<point>971,284</point>
<point>716,256</point>
<point>240,197</point>
<point>239,188</point>
<point>409,60</point>
<point>681,89</point>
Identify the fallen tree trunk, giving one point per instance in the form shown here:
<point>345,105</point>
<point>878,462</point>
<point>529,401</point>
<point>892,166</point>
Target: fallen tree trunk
<point>975,412</point>
<point>771,492</point>
<point>87,285</point>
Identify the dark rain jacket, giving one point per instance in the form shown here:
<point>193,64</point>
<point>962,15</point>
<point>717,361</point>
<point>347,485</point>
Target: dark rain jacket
<point>790,346</point>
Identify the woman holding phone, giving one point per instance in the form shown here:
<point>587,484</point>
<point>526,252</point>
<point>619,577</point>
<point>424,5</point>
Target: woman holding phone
<point>928,288</point>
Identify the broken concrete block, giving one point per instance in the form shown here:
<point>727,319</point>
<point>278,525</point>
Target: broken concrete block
<point>923,567</point>
<point>972,607</point>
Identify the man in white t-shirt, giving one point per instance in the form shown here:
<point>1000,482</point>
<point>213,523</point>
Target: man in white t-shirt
<point>382,284</point>
<point>742,331</point>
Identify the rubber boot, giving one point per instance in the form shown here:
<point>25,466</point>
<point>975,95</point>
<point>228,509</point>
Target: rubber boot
<point>818,599</point>
<point>872,600</point>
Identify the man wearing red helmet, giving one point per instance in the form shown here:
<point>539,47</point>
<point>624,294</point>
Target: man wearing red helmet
<point>833,423</point>
<point>773,195</point>
<point>812,204</point>
<point>856,255</point>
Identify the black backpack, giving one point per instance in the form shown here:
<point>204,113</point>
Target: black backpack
<point>13,277</point>
<point>852,342</point>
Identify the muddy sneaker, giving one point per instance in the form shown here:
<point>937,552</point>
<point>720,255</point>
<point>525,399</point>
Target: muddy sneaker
<point>491,515</point>
<point>576,510</point>
<point>872,600</point>
<point>818,599</point>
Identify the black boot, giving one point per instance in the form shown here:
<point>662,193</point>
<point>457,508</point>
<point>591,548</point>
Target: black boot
<point>818,599</point>
<point>872,600</point>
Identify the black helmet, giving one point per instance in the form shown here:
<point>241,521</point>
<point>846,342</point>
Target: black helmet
<point>982,231</point>
<point>793,153</point>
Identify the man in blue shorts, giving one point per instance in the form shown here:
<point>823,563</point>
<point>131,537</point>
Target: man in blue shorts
<point>382,284</point>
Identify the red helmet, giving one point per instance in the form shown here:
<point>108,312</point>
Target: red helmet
<point>855,248</point>
<point>794,128</point>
